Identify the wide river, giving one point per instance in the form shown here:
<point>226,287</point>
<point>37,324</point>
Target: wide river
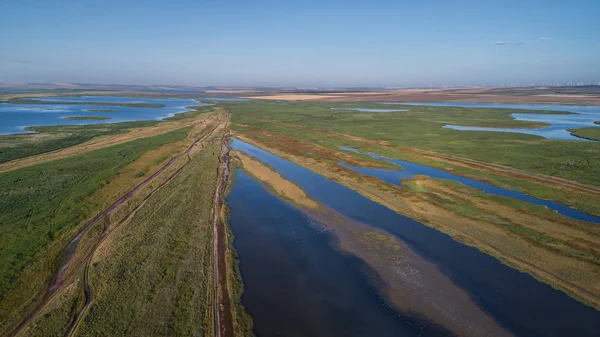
<point>297,282</point>
<point>15,117</point>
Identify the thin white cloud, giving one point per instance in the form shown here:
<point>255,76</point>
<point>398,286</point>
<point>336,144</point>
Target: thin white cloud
<point>505,43</point>
<point>545,38</point>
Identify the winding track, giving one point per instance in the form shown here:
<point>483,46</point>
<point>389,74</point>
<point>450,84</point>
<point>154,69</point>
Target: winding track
<point>223,320</point>
<point>59,279</point>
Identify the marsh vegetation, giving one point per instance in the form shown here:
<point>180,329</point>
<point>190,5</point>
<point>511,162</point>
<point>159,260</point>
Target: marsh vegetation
<point>146,267</point>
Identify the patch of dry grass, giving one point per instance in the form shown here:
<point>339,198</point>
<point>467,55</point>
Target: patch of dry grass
<point>283,187</point>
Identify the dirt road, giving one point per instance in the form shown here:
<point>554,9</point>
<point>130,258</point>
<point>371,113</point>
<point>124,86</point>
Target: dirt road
<point>222,305</point>
<point>97,143</point>
<point>59,279</point>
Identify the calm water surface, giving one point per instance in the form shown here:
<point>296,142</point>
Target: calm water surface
<point>516,300</point>
<point>15,117</point>
<point>410,169</point>
<point>226,99</point>
<point>296,283</point>
<point>585,117</point>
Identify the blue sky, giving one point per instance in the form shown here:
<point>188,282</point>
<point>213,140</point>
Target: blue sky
<point>301,43</point>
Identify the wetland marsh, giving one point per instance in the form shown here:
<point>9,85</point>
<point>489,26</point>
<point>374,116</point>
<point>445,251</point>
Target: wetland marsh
<point>338,220</point>
<point>513,300</point>
<point>560,126</point>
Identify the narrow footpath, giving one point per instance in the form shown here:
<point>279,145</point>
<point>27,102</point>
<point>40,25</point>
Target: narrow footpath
<point>222,304</point>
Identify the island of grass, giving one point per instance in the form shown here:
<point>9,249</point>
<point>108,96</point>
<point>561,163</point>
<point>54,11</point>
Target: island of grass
<point>591,133</point>
<point>100,110</point>
<point>85,118</point>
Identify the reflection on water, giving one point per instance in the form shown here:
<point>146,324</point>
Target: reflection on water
<point>410,169</point>
<point>296,283</point>
<point>516,300</point>
<point>585,117</point>
<point>15,117</point>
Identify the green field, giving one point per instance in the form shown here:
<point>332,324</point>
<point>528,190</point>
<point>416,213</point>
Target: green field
<point>42,206</point>
<point>421,127</point>
<point>50,138</point>
<point>155,277</point>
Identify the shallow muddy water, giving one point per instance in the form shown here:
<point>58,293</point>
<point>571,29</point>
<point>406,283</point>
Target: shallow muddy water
<point>585,117</point>
<point>15,117</point>
<point>410,169</point>
<point>296,283</point>
<point>515,300</point>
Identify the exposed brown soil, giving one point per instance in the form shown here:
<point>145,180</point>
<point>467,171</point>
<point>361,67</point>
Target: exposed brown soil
<point>222,306</point>
<point>295,97</point>
<point>283,187</point>
<point>539,95</point>
<point>411,283</point>
<point>472,98</point>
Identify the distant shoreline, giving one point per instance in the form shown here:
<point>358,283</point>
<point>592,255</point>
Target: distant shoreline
<point>85,118</point>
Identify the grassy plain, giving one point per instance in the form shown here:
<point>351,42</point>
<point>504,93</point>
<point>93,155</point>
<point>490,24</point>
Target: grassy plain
<point>400,134</point>
<point>421,127</point>
<point>148,263</point>
<point>153,273</point>
<point>50,138</point>
<point>53,142</point>
<point>57,315</point>
<point>42,206</point>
